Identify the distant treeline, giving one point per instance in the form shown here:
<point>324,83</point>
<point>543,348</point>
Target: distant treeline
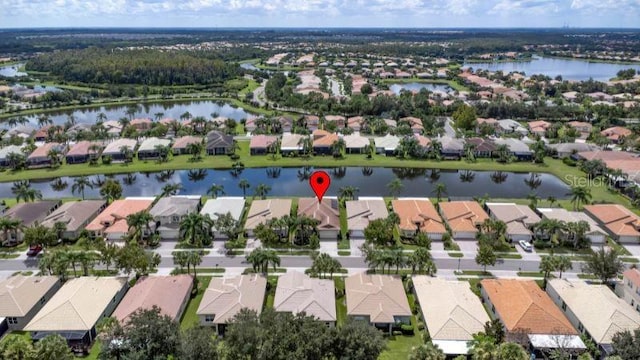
<point>144,67</point>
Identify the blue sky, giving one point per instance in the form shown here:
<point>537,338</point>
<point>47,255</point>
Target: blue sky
<point>319,13</point>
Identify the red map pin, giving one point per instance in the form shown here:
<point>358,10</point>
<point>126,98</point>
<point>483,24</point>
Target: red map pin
<point>320,182</point>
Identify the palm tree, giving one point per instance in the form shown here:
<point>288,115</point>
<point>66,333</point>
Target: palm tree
<point>440,190</point>
<point>101,117</point>
<point>307,145</point>
<point>469,151</point>
<point>126,152</point>
<point>170,190</point>
<point>215,190</point>
<point>552,228</point>
<point>261,191</point>
<point>261,258</point>
<point>80,184</point>
<point>44,120</point>
<point>563,263</point>
<point>9,225</point>
<point>547,266</point>
<point>23,191</point>
<point>395,187</point>
<point>552,200</point>
<point>348,192</point>
<point>533,200</point>
<point>138,222</point>
<point>195,228</point>
<point>421,260</point>
<point>195,149</point>
<point>54,156</point>
<point>338,147</point>
<point>579,195</point>
<point>244,185</point>
<point>504,153</point>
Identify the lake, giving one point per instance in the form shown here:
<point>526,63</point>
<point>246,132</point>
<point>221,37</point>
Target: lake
<point>569,69</point>
<point>12,70</point>
<point>148,110</point>
<point>415,86</point>
<point>294,182</point>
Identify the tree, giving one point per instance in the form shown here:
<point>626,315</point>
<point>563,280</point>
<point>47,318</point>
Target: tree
<point>244,185</point>
<point>39,235</point>
<point>151,335</point>
<point>357,340</point>
<point>261,191</point>
<point>338,147</point>
<point>108,253</point>
<point>16,347</point>
<point>379,232</point>
<point>133,258</point>
<point>194,258</point>
<point>440,190</point>
<point>547,266</point>
<point>195,229</point>
<point>485,257</point>
<point>53,347</point>
<point>198,343</point>
<point>347,193</point>
<point>483,347</point>
<point>9,225</point>
<point>395,187</point>
<point>80,184</point>
<point>495,330</point>
<point>626,344</point>
<point>579,195</point>
<point>111,190</point>
<point>226,224</point>
<point>261,258</point>
<point>563,263</point>
<point>421,260</point>
<point>215,190</point>
<point>511,351</point>
<point>604,264</point>
<point>465,117</point>
<point>127,153</point>
<point>137,223</point>
<point>428,351</point>
<point>195,149</point>
<point>504,153</point>
<point>23,191</point>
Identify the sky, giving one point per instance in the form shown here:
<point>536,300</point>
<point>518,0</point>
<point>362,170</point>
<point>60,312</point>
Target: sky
<point>319,13</point>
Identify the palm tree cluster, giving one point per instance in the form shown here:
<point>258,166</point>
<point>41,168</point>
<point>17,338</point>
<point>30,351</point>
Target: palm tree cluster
<point>323,263</point>
<point>261,258</point>
<point>573,233</point>
<point>195,230</point>
<point>420,261</point>
<point>59,261</point>
<point>139,228</point>
<point>23,191</point>
<point>580,195</point>
<point>551,263</point>
<point>188,259</point>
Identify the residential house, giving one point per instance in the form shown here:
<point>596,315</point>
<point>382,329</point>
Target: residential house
<point>596,234</point>
<point>181,145</point>
<point>508,126</point>
<point>326,212</point>
<point>21,131</point>
<point>219,143</point>
<point>423,142</point>
<point>594,310</point>
<point>355,123</point>
<point>463,218</point>
<point>356,143</point>
<point>81,152</point>
<point>452,148</point>
<point>451,311</point>
<point>298,293</point>
<point>29,214</point>
<point>286,124</point>
<point>114,149</point>
<point>74,311</point>
<point>223,205</point>
<point>40,156</point>
<point>539,127</point>
<point>392,124</point>
<point>291,144</point>
<point>21,297</point>
<point>621,223</point>
<point>616,134</point>
<point>490,122</point>
<point>262,144</point>
<point>360,212</point>
<point>113,127</point>
<point>387,144</point>
<point>483,147</point>
<point>518,148</point>
<point>519,219</point>
<point>583,127</point>
<point>75,215</point>
<point>322,142</point>
<point>42,134</point>
<point>339,121</point>
<point>250,125</point>
<point>418,215</point>
<point>629,288</point>
<point>528,315</point>
<point>312,122</point>
<point>141,124</point>
<point>5,151</point>
<point>413,122</point>
<point>148,150</point>
<point>564,150</point>
<point>225,297</point>
<point>379,300</point>
<point>111,224</point>
<point>262,211</point>
<point>169,211</point>
<point>170,294</point>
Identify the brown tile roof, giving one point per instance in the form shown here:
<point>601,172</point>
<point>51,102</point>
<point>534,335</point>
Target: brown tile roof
<point>184,141</point>
<point>323,138</point>
<point>262,141</point>
<point>523,306</point>
<point>263,210</point>
<point>617,218</point>
<point>74,214</point>
<point>616,132</point>
<point>297,292</point>
<point>463,215</point>
<point>19,294</point>
<point>422,211</point>
<point>326,212</point>
<point>381,297</point>
<point>43,151</point>
<point>482,145</point>
<point>81,148</point>
<point>225,297</point>
<point>115,215</point>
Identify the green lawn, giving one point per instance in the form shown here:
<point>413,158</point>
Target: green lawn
<point>341,301</point>
<point>95,351</point>
<point>189,318</point>
<point>271,292</point>
<point>399,347</point>
<point>455,254</point>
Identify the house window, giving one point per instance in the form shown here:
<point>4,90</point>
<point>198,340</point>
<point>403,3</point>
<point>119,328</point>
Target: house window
<point>209,318</point>
<point>580,327</point>
<point>12,320</point>
<point>114,299</point>
<point>43,300</point>
<point>564,306</point>
<point>175,219</point>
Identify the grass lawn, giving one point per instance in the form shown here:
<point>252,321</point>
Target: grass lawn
<point>95,351</point>
<point>271,292</point>
<point>587,277</point>
<point>474,273</point>
<point>189,318</point>
<point>344,253</point>
<point>455,254</point>
<point>341,301</point>
<point>399,347</point>
<point>508,256</point>
<point>532,274</point>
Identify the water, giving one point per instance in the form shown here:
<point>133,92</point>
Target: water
<point>568,69</point>
<point>12,70</point>
<point>294,182</point>
<point>414,86</point>
<point>248,66</point>
<point>170,110</point>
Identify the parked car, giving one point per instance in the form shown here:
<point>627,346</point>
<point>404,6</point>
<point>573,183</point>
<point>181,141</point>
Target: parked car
<point>525,245</point>
<point>34,250</point>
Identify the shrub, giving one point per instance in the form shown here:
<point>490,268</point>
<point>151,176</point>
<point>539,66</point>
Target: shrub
<point>568,161</point>
<point>407,329</point>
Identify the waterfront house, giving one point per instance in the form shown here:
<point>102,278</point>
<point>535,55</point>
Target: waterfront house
<point>326,212</point>
<point>418,215</point>
<point>463,218</point>
<point>222,205</point>
<point>262,211</point>
<point>621,223</point>
<point>114,149</point>
<point>40,156</point>
<point>519,219</point>
<point>262,144</point>
<point>111,223</point>
<point>75,215</point>
<point>148,149</point>
<point>169,211</point>
<point>180,145</point>
<point>360,212</point>
<point>219,143</point>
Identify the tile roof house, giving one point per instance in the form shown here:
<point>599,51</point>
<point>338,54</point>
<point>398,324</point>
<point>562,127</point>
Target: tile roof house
<point>286,123</point>
<point>297,292</point>
<point>22,131</point>
<point>180,145</point>
<point>519,219</point>
<point>141,124</point>
<point>595,234</point>
<point>360,212</point>
<point>451,311</point>
<point>355,123</point>
<point>524,309</point>
<point>628,288</point>
<point>356,143</point>
<point>225,297</point>
<point>621,223</point>
<point>463,218</point>
<point>322,141</point>
<point>262,211</point>
<point>169,211</point>
<point>81,152</point>
<point>21,297</point>
<point>418,215</point>
<point>326,212</point>
<point>113,149</point>
<point>114,128</point>
<point>569,149</point>
<point>219,143</point>
<point>518,148</point>
<point>483,147</point>
<point>578,301</point>
<point>340,121</point>
<point>291,143</point>
<point>29,214</point>
<point>5,151</point>
<point>76,308</point>
<point>223,205</point>
<point>581,126</point>
<point>261,144</point>
<point>539,127</point>
<point>616,134</point>
<point>311,122</point>
<point>40,156</point>
<point>387,144</point>
<point>378,299</point>
<point>452,148</point>
<point>414,123</point>
<point>508,126</point>
<point>76,215</point>
<point>148,148</point>
<point>150,291</point>
<point>112,221</point>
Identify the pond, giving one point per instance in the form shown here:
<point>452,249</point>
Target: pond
<point>416,86</point>
<point>294,182</point>
<point>12,70</point>
<point>569,69</point>
<point>148,110</point>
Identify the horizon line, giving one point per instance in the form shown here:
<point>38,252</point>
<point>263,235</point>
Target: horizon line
<point>563,27</point>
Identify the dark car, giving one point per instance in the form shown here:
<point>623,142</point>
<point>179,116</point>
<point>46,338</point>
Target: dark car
<point>34,250</point>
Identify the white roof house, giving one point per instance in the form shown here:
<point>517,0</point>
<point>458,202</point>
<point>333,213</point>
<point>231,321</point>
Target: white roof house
<point>5,151</point>
<point>223,205</point>
<point>509,126</point>
<point>355,141</point>
<point>387,143</point>
<point>291,142</point>
<point>596,234</point>
<point>452,312</point>
<point>297,292</point>
<point>150,144</point>
<point>114,147</point>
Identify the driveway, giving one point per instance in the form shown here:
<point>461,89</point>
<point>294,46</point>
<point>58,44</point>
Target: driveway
<point>633,249</point>
<point>525,254</point>
<point>354,244</point>
<point>468,246</point>
<point>329,247</point>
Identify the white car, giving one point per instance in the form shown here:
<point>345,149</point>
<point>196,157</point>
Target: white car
<point>526,246</point>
